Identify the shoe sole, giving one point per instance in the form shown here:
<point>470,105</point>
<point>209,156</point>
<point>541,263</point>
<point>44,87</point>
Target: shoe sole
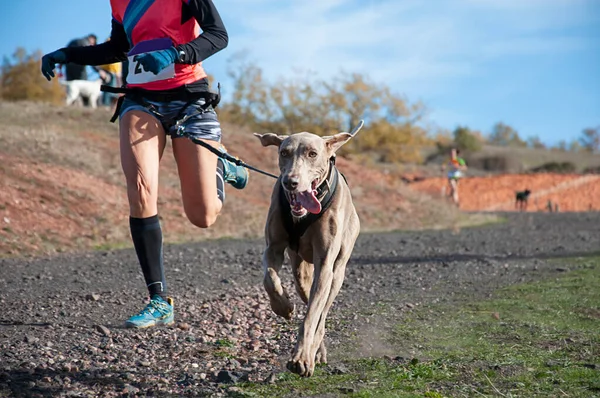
<point>159,323</point>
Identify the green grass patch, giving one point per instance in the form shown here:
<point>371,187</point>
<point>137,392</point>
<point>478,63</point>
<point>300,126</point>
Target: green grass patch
<point>532,340</point>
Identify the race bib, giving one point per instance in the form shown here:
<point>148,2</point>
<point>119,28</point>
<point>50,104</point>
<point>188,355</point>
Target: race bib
<point>137,74</point>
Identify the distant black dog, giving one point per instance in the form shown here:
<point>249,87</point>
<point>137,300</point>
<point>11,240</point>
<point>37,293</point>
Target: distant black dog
<point>521,199</point>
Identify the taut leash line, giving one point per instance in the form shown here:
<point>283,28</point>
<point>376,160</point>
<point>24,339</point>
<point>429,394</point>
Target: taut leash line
<point>227,156</point>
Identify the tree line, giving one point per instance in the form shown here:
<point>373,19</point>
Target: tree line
<point>397,130</point>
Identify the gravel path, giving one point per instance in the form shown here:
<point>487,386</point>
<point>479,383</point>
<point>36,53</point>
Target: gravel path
<point>60,319</point>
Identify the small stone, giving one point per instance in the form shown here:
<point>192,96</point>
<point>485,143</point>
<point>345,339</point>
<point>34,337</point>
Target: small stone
<point>202,376</point>
<point>254,345</point>
<point>103,330</point>
<point>92,297</point>
<point>225,376</point>
<point>271,378</point>
<point>183,326</point>
<point>339,370</point>
<point>144,363</point>
<point>496,315</point>
<point>409,305</point>
<point>129,389</point>
<point>210,333</point>
<point>30,339</point>
<point>195,366</point>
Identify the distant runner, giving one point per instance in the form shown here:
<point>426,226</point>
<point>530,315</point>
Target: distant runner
<point>456,166</point>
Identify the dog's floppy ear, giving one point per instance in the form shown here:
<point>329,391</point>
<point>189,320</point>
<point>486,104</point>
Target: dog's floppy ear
<point>334,142</point>
<point>270,139</point>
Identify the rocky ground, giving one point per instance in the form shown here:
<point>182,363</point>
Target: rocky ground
<point>61,317</point>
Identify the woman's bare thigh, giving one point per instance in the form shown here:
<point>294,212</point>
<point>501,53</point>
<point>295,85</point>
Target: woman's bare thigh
<point>142,143</point>
<point>197,173</point>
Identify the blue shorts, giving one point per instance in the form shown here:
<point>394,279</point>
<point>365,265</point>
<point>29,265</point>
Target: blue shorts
<point>202,124</point>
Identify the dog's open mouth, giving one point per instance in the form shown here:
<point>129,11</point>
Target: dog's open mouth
<point>305,202</point>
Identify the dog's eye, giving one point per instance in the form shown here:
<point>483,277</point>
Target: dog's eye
<point>284,153</point>
<point>312,154</point>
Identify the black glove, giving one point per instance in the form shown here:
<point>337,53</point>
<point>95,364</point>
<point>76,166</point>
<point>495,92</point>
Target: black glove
<point>50,60</point>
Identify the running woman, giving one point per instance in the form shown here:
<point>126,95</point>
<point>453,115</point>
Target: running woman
<point>167,93</point>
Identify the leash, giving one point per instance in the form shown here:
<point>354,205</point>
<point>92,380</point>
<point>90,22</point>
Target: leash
<point>226,156</point>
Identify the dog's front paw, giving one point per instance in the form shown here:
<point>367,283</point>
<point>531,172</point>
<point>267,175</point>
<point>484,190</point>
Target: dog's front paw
<point>282,306</point>
<point>302,366</point>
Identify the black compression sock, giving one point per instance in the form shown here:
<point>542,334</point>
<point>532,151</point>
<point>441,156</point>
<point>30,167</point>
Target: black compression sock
<point>220,181</point>
<point>147,240</point>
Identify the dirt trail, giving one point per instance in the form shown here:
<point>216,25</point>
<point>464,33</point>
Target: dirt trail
<point>60,324</point>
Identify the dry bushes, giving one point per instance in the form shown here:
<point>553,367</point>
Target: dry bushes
<point>21,80</point>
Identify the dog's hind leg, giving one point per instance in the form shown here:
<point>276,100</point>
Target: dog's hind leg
<point>272,262</point>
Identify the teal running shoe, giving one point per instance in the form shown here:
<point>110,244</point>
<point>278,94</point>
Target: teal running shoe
<point>158,312</point>
<point>235,175</point>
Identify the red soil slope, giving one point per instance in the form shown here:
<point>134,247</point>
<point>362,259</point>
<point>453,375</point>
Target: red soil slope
<point>572,192</point>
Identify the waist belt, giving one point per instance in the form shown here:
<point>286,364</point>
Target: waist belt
<point>142,96</point>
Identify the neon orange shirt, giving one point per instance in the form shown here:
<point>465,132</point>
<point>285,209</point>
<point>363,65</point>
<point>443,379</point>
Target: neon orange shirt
<point>163,21</point>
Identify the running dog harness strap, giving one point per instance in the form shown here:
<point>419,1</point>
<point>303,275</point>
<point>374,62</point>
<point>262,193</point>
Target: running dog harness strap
<point>133,13</point>
<point>326,190</point>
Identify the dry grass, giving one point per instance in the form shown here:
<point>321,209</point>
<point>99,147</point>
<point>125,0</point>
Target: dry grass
<point>63,187</point>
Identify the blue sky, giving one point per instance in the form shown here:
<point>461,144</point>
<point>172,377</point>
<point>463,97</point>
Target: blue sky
<point>532,64</point>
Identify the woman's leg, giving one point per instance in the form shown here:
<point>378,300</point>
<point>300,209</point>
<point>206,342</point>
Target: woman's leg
<point>454,185</point>
<point>197,169</point>
<point>142,141</point>
<point>142,144</point>
<point>201,173</point>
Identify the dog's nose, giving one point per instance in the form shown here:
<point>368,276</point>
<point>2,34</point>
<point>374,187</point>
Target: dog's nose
<point>290,182</point>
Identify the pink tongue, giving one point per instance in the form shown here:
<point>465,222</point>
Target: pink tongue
<point>309,201</point>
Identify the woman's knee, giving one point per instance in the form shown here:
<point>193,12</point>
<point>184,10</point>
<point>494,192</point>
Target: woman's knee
<point>202,216</point>
<point>142,199</point>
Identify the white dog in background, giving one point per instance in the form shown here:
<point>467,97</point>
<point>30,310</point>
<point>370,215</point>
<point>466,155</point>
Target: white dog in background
<point>89,89</point>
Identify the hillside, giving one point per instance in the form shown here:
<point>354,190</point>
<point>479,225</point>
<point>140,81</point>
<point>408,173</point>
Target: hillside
<point>571,192</point>
<point>63,190</point>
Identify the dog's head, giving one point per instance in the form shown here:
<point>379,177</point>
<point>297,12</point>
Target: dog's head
<point>303,164</point>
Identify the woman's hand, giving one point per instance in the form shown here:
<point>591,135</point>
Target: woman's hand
<point>155,61</point>
<point>50,60</point>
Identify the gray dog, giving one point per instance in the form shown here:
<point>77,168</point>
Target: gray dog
<point>313,217</point>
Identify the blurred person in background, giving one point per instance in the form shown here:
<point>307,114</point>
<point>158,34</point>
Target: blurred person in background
<point>456,166</point>
<point>111,76</point>
<point>75,71</point>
